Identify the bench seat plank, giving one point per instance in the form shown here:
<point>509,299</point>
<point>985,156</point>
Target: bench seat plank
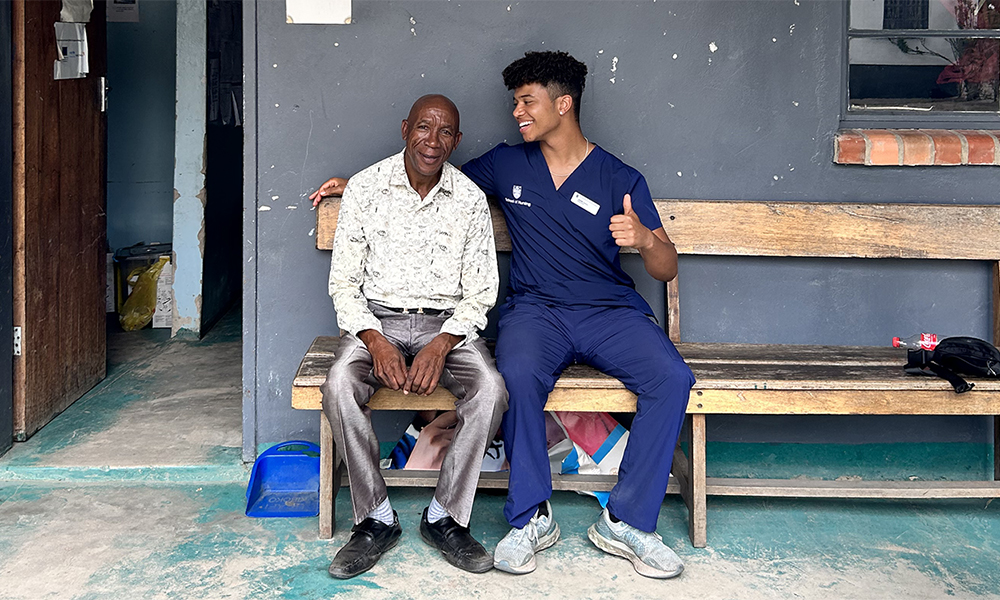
<point>726,375</point>
<point>694,352</point>
<point>732,378</point>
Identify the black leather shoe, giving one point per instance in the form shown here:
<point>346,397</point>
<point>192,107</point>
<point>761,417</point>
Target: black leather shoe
<point>457,544</point>
<point>370,540</point>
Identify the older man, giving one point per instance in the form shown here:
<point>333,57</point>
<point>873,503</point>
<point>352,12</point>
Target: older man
<point>412,276</point>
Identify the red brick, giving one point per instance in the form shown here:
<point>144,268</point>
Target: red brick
<point>849,148</point>
<point>981,148</point>
<point>918,151</point>
<point>884,147</point>
<point>947,146</point>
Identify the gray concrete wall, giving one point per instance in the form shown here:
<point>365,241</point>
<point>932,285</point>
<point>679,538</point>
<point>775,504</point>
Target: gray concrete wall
<point>141,126</point>
<point>709,99</point>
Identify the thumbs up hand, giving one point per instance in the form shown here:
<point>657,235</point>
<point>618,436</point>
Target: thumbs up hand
<point>628,230</point>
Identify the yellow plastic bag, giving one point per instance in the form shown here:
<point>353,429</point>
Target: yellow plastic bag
<point>141,303</point>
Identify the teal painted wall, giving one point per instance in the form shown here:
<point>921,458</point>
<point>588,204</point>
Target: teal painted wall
<point>141,65</point>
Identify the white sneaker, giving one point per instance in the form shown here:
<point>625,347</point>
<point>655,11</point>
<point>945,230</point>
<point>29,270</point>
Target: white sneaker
<point>516,551</point>
<point>647,552</point>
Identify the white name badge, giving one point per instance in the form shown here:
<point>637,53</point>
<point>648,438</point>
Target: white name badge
<point>585,203</point>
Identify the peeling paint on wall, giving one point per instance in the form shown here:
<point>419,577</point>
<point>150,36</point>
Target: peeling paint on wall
<point>190,160</point>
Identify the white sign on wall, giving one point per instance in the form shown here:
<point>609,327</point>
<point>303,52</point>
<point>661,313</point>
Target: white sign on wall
<point>336,12</point>
<point>123,11</point>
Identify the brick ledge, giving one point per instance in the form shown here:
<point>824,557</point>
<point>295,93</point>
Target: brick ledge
<point>916,147</point>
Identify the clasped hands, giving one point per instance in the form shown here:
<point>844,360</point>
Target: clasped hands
<point>389,366</point>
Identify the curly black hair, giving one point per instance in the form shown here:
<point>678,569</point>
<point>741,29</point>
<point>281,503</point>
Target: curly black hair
<point>558,72</point>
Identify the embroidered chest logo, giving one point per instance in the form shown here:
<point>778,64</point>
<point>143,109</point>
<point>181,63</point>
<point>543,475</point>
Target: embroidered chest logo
<point>517,192</point>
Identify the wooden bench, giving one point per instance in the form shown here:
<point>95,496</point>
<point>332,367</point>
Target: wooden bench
<point>743,379</point>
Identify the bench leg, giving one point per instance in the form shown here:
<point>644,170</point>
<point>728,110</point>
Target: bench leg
<point>681,472</point>
<point>329,478</point>
<point>996,448</point>
<point>697,505</point>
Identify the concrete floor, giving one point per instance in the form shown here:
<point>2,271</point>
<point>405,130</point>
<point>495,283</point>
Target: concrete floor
<point>137,492</point>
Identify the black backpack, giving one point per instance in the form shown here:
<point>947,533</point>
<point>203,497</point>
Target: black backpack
<point>954,357</point>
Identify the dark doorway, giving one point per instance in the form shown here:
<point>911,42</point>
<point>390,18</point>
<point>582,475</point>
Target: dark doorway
<point>222,275</point>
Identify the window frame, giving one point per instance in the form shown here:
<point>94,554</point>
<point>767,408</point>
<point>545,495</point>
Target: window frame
<point>903,119</point>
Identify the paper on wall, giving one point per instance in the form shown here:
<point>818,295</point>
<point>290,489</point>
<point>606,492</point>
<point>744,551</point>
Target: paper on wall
<point>123,11</point>
<point>71,51</point>
<point>76,11</point>
<point>336,12</point>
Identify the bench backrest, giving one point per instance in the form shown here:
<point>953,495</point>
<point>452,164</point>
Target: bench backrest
<point>800,229</point>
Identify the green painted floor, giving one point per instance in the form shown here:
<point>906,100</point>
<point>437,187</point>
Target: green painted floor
<point>167,411</point>
<point>126,541</point>
<point>137,492</point>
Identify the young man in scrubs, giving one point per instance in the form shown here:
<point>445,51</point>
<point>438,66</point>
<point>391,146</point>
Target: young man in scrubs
<point>570,207</point>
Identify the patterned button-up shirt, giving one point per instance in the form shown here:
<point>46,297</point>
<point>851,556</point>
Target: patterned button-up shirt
<point>396,249</point>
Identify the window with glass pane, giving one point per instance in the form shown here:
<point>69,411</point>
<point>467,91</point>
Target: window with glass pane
<point>924,56</point>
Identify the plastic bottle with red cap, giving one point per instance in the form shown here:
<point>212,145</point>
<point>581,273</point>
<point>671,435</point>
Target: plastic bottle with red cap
<point>920,341</point>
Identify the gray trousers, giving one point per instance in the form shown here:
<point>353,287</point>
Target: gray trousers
<point>469,373</point>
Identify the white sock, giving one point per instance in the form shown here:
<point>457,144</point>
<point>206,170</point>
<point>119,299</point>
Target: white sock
<point>616,527</point>
<point>435,512</point>
<point>383,513</point>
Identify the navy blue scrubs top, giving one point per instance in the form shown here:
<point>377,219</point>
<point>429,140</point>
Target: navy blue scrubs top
<point>563,250</point>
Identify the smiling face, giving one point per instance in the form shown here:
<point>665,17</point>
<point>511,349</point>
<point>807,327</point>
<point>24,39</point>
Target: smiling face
<point>431,134</point>
<point>536,112</point>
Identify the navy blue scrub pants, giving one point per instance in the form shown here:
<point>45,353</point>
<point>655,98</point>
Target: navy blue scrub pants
<point>535,343</point>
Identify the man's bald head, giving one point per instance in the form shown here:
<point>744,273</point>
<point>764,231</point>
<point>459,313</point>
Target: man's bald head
<point>436,101</point>
<point>431,133</point>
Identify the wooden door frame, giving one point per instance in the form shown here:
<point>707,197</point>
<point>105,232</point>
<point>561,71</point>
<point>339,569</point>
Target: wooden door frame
<point>6,211</point>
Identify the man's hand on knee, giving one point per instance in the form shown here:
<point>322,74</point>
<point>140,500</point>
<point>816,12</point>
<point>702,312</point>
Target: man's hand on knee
<point>388,363</point>
<point>428,364</point>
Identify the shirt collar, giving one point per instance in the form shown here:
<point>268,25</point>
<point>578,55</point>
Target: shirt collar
<point>398,178</point>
